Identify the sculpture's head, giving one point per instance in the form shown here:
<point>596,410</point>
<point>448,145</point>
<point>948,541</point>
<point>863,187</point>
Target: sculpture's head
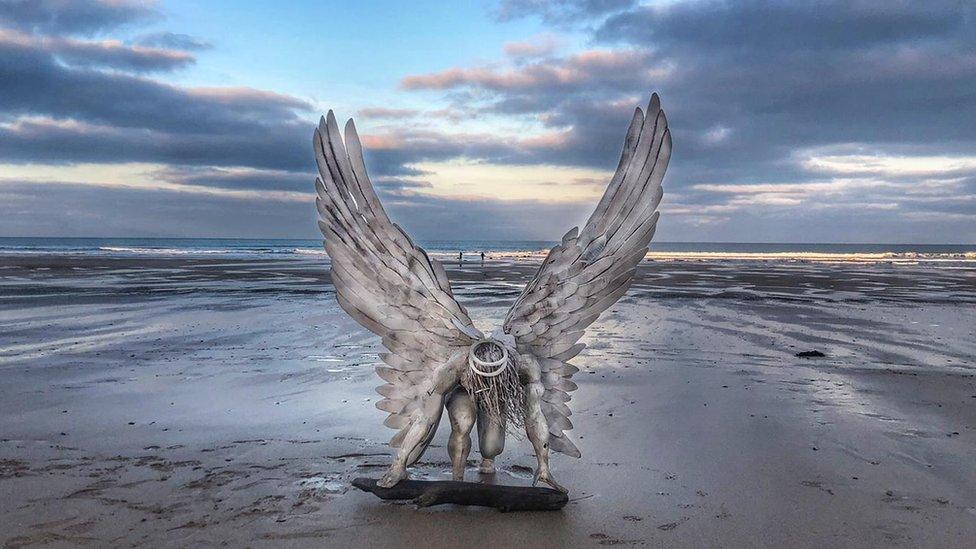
<point>492,377</point>
<point>489,356</point>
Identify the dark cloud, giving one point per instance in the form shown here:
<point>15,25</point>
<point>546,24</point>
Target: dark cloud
<point>76,53</point>
<point>433,218</point>
<point>236,178</point>
<point>564,12</point>
<point>397,186</point>
<point>147,212</point>
<point>36,84</point>
<point>283,146</point>
<point>66,99</point>
<point>775,108</point>
<point>751,90</point>
<point>772,27</point>
<point>386,113</point>
<point>73,111</point>
<point>74,16</point>
<point>141,212</point>
<point>173,41</point>
<point>778,76</point>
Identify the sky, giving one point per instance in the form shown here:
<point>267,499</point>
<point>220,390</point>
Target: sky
<point>830,121</point>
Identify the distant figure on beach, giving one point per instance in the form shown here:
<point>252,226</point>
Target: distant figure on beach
<point>460,258</point>
<point>482,259</point>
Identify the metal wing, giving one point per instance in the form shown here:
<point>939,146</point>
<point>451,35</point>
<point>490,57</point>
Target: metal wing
<point>383,280</point>
<point>591,269</point>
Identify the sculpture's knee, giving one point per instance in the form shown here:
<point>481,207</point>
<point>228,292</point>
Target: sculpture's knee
<point>462,412</point>
<point>491,436</point>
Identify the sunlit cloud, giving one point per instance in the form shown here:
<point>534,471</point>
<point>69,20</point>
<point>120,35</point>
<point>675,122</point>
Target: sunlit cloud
<point>536,46</point>
<point>889,166</point>
<point>596,67</point>
<point>470,180</point>
<point>386,113</point>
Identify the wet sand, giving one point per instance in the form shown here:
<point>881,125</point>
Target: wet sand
<point>209,401</point>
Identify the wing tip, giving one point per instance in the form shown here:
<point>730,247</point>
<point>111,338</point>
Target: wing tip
<point>317,134</point>
<point>655,104</point>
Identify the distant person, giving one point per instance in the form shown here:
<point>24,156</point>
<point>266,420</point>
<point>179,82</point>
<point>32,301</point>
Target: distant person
<point>482,259</point>
<point>460,259</point>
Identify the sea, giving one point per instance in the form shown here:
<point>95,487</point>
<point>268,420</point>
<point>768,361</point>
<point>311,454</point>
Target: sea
<point>449,249</point>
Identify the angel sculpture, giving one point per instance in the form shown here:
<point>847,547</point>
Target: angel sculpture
<point>519,375</point>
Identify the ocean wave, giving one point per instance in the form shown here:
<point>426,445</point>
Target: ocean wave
<point>447,251</point>
<point>310,251</point>
<point>818,257</point>
<point>797,256</point>
<point>164,251</point>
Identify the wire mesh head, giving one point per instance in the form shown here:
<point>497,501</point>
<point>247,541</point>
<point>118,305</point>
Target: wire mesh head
<point>492,381</point>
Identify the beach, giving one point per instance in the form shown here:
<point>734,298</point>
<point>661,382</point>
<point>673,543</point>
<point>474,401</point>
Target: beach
<point>195,400</point>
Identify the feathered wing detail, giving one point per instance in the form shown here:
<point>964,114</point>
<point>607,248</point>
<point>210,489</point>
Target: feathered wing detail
<point>591,269</point>
<point>385,281</point>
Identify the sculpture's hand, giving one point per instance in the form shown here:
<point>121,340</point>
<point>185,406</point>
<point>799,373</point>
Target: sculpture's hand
<point>393,475</point>
<point>546,476</point>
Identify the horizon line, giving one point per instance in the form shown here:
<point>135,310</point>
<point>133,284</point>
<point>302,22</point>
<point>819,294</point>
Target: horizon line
<point>485,240</point>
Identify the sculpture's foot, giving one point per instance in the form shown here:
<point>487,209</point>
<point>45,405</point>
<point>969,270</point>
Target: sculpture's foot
<point>546,476</point>
<point>487,467</point>
<point>393,475</point>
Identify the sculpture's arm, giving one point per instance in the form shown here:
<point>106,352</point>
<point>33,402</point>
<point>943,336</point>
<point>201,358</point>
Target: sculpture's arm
<point>536,426</point>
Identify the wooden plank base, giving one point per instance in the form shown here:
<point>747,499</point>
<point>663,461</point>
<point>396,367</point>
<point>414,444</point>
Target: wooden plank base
<point>426,493</point>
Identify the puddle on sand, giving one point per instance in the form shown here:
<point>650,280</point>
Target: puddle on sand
<point>325,358</point>
<point>328,485</point>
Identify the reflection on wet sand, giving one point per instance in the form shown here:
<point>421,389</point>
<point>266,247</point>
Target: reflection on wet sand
<point>200,400</point>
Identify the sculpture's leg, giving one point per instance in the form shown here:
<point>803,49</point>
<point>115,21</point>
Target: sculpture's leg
<point>491,441</point>
<point>420,431</point>
<point>462,411</point>
<point>536,426</point>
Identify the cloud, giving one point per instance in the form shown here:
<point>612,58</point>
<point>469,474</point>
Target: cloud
<point>758,94</point>
<point>398,186</point>
<point>772,27</point>
<point>386,113</point>
<point>87,53</point>
<point>65,99</point>
<point>236,178</point>
<point>830,121</point>
<point>173,41</point>
<point>59,105</point>
<point>36,83</point>
<point>876,163</point>
<point>192,212</point>
<point>538,46</point>
<point>98,210</point>
<point>594,68</point>
<point>282,146</point>
<point>564,12</point>
<point>74,16</point>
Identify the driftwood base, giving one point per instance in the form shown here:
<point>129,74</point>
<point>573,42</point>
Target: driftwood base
<point>426,493</point>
